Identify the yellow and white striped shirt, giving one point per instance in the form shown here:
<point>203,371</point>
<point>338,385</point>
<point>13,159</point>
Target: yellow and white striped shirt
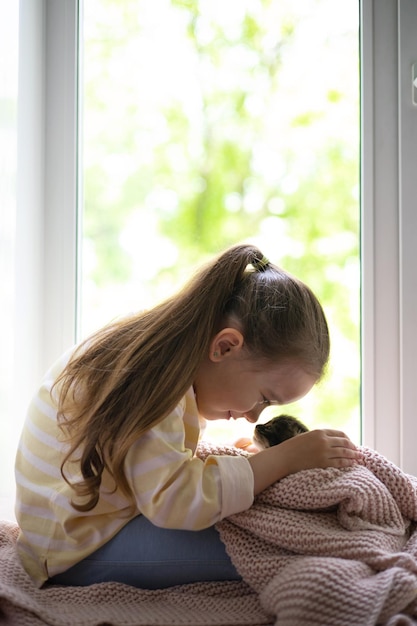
<point>172,487</point>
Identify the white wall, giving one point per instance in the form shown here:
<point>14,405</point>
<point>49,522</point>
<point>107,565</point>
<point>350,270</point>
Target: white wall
<point>9,26</point>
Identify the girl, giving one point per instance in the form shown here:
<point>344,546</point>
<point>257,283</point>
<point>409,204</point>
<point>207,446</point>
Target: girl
<point>108,484</point>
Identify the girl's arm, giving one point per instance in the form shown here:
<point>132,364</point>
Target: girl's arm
<point>317,448</point>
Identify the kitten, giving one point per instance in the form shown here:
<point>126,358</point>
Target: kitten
<point>278,429</point>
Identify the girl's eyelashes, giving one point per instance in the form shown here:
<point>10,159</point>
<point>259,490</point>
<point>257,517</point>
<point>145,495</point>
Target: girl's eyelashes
<point>264,401</point>
<point>269,402</point>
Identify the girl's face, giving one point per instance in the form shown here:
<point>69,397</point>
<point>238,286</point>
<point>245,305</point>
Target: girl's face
<point>230,385</point>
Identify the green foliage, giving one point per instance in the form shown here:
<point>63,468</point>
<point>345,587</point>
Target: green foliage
<point>207,132</point>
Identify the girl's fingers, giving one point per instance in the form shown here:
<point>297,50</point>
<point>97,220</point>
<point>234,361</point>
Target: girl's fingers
<point>337,447</point>
<point>341,442</point>
<point>337,434</point>
<point>339,439</point>
<point>342,462</point>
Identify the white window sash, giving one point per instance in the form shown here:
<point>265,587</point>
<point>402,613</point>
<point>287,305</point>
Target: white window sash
<point>389,232</point>
<point>47,183</point>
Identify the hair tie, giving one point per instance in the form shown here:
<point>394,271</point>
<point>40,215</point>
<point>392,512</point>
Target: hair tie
<point>260,265</point>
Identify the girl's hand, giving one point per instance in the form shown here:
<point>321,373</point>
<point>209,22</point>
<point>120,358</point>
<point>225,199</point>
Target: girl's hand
<point>316,448</point>
<point>244,443</point>
<point>319,448</point>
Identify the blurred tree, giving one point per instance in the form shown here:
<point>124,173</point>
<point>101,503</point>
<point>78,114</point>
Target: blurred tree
<point>209,123</point>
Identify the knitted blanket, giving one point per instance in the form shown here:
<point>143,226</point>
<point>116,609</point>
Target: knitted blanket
<point>114,604</point>
<point>319,548</point>
<point>332,547</point>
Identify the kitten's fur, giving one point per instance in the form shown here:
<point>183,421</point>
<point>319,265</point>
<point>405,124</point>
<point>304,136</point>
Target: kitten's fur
<point>278,429</point>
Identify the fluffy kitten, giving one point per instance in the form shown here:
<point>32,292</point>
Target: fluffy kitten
<point>278,429</point>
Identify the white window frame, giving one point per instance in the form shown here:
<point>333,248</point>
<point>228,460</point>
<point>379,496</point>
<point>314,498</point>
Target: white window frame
<point>389,230</point>
<point>45,234</point>
<point>46,239</point>
<point>47,185</point>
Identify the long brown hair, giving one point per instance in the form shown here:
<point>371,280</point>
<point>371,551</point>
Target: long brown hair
<point>129,375</point>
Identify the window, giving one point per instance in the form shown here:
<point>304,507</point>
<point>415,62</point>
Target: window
<point>210,127</point>
<point>389,229</point>
<point>43,232</point>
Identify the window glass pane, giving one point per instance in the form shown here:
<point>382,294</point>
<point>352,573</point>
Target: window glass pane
<point>208,123</point>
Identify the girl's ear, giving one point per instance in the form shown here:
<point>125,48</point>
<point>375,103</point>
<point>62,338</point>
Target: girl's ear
<point>227,341</point>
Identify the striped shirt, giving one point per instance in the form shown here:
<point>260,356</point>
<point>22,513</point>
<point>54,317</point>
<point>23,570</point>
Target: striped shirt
<point>172,487</point>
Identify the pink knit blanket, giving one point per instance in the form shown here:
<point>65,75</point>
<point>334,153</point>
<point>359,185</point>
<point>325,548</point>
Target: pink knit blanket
<point>319,548</point>
<point>114,604</point>
<point>332,547</point>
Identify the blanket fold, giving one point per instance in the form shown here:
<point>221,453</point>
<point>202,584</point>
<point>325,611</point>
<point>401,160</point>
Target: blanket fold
<point>332,546</point>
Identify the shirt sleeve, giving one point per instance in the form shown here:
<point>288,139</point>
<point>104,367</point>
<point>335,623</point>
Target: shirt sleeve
<point>175,489</point>
<point>237,484</point>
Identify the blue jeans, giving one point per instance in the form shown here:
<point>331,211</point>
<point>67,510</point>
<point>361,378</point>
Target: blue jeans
<point>145,556</point>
